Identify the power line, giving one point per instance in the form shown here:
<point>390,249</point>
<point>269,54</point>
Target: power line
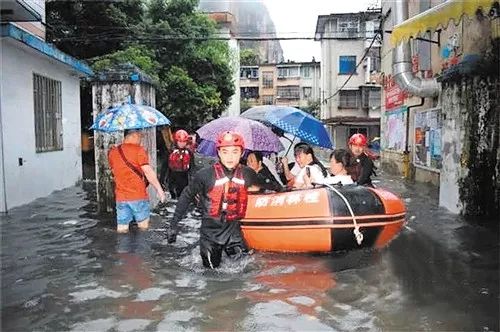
<point>354,71</point>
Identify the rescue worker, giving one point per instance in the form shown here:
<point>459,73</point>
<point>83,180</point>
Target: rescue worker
<point>222,191</point>
<point>180,164</point>
<point>362,167</point>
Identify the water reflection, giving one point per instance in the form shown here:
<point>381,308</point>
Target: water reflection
<point>298,281</point>
<point>65,269</point>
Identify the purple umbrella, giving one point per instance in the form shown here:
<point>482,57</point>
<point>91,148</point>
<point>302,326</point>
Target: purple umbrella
<point>257,136</point>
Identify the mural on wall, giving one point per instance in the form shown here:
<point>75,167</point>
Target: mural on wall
<point>451,51</point>
<point>428,138</point>
<point>395,129</point>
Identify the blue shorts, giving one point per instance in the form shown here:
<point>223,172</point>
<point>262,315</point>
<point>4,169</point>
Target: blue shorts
<point>129,210</point>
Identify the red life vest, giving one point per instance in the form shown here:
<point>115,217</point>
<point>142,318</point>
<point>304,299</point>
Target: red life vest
<point>179,160</point>
<point>228,195</point>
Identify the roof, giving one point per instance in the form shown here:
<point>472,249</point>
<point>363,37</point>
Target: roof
<point>439,17</point>
<point>11,31</point>
<point>322,19</point>
<point>18,11</point>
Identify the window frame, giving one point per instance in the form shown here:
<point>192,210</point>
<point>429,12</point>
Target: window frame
<point>47,111</point>
<point>344,104</point>
<point>267,79</point>
<point>344,59</point>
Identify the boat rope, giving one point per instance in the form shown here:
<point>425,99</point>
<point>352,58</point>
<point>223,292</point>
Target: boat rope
<point>357,234</point>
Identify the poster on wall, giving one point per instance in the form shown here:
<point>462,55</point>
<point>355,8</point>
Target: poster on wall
<point>428,138</point>
<point>394,136</point>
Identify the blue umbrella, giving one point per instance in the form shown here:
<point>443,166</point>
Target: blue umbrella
<point>129,116</point>
<point>292,120</point>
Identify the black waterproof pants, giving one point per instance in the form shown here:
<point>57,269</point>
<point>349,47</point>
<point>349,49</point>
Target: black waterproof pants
<point>177,181</point>
<point>211,252</point>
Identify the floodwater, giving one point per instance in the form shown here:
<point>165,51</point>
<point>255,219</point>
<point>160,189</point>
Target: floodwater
<point>63,268</point>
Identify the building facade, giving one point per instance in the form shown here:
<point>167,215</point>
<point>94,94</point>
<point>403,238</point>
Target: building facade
<point>350,53</point>
<point>227,26</point>
<point>40,148</point>
<point>295,84</point>
<point>440,121</point>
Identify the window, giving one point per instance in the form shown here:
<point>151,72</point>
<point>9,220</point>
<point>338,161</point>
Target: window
<point>370,97</point>
<point>267,100</point>
<point>249,73</point>
<point>374,56</point>
<point>358,130</point>
<point>249,92</point>
<point>347,25</point>
<point>48,114</point>
<point>348,99</point>
<point>288,92</point>
<point>267,79</point>
<point>347,65</point>
<point>288,72</point>
<point>307,91</point>
<point>305,72</point>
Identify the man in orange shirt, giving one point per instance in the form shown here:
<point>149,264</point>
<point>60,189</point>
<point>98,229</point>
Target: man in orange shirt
<point>129,163</point>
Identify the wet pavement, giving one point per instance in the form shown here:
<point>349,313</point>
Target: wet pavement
<point>64,268</point>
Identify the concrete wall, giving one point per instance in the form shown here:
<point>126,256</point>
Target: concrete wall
<point>41,173</point>
<point>104,95</point>
<point>469,132</point>
<point>234,103</point>
<point>331,50</point>
<point>470,178</point>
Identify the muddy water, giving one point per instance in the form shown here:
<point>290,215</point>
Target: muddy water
<point>64,268</point>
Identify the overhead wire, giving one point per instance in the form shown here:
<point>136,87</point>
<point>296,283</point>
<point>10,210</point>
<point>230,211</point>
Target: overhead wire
<point>325,100</point>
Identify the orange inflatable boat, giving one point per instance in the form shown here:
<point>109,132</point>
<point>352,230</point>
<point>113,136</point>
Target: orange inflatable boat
<point>323,219</point>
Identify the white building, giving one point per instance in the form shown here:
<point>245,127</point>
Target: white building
<point>350,96</point>
<point>40,140</point>
<point>226,25</point>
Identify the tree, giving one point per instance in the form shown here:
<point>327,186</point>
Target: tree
<point>195,72</point>
<point>137,55</point>
<point>86,29</point>
<point>248,57</point>
<point>167,39</point>
<point>313,107</point>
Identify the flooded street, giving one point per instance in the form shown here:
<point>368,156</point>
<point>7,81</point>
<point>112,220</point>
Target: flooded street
<point>63,269</point>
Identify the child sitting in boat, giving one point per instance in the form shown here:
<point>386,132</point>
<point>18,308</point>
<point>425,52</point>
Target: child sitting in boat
<point>309,169</point>
<point>255,162</point>
<point>340,160</point>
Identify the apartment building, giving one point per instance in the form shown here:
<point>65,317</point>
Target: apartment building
<point>351,93</point>
<point>294,84</point>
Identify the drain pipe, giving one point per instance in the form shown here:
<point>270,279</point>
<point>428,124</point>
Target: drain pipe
<point>406,80</point>
<point>401,62</point>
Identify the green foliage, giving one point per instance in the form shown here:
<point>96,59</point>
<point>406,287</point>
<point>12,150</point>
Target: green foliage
<point>248,57</point>
<point>167,39</point>
<point>244,105</point>
<point>313,107</point>
<point>188,102</point>
<point>86,29</point>
<point>189,62</point>
<point>139,56</point>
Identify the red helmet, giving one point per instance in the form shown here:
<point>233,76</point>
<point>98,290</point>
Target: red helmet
<point>181,136</point>
<point>230,138</point>
<point>358,139</point>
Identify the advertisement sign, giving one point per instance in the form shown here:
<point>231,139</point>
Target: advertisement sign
<point>428,138</point>
<point>394,129</point>
<point>394,96</point>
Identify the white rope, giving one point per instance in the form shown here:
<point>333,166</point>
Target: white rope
<point>357,234</point>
